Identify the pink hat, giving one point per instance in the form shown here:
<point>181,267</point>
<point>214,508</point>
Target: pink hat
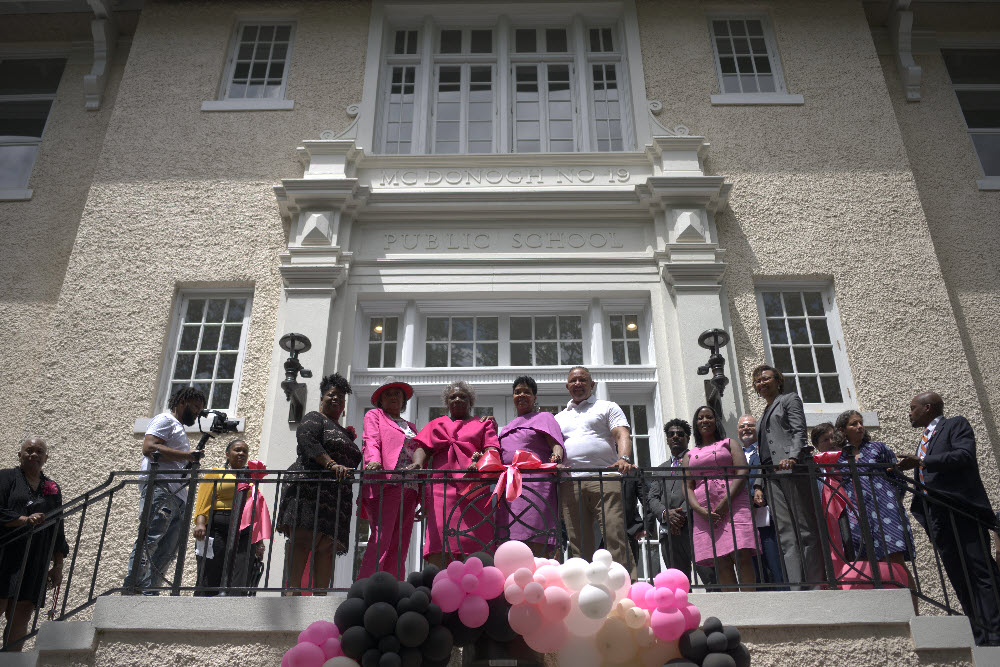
<point>391,383</point>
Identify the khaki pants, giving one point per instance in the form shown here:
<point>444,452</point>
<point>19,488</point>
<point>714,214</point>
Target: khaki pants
<point>582,508</point>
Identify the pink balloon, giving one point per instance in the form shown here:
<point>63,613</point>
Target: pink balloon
<point>692,616</point>
<point>304,655</point>
<point>667,625</point>
<point>524,618</point>
<point>442,574</point>
<point>456,570</point>
<point>470,583</point>
<point>510,556</point>
<point>447,595</point>
<point>556,605</point>
<point>473,566</point>
<point>673,579</point>
<point>473,611</point>
<point>491,583</point>
<point>680,598</point>
<point>664,598</point>
<point>549,638</point>
<point>550,576</point>
<point>331,648</point>
<point>318,632</point>
<point>638,593</point>
<point>514,594</point>
<point>534,593</point>
<point>650,599</point>
<point>522,576</point>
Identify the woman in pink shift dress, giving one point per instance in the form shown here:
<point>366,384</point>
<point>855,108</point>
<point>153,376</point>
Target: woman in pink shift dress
<point>723,530</point>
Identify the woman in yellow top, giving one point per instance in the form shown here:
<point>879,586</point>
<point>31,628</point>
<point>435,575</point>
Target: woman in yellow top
<point>219,518</point>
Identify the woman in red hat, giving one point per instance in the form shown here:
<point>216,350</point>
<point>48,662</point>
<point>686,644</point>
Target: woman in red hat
<point>388,506</point>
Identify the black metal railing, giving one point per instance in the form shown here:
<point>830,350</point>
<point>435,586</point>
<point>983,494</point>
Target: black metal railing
<point>103,523</point>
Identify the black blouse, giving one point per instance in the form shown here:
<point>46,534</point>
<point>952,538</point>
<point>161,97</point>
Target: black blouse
<point>18,499</point>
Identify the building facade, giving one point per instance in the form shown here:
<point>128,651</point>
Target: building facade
<point>441,191</point>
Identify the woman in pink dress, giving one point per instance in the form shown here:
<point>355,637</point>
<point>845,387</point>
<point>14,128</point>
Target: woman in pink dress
<point>461,505</point>
<point>723,531</point>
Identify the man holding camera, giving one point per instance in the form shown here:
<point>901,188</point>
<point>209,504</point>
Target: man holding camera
<point>167,440</point>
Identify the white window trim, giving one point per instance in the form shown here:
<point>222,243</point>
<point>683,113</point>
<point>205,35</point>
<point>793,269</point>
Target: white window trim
<point>987,183</point>
<point>640,310</point>
<point>780,96</point>
<point>177,312</point>
<point>621,14</point>
<point>818,412</point>
<point>223,103</point>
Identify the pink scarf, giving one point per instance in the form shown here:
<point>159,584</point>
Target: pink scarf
<point>255,509</point>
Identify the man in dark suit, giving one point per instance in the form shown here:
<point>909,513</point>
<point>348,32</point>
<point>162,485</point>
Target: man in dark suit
<point>946,465</point>
<point>667,501</point>
<point>781,440</point>
<point>639,522</point>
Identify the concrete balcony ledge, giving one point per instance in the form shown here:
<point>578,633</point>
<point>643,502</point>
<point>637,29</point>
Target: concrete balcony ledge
<point>859,628</point>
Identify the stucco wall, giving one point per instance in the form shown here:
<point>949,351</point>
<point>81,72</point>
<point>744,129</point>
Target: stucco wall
<point>962,219</point>
<point>822,191</point>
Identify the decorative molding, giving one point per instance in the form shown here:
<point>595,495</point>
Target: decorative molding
<point>901,35</point>
<point>104,29</point>
<point>656,129</point>
<point>351,132</point>
<point>433,378</point>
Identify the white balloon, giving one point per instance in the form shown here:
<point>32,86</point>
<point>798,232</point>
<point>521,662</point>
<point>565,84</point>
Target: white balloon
<point>595,601</point>
<point>603,556</point>
<point>618,577</point>
<point>574,573</point>
<point>578,624</point>
<point>597,573</point>
<point>340,661</point>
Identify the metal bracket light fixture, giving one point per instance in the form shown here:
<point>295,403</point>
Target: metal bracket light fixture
<point>294,344</point>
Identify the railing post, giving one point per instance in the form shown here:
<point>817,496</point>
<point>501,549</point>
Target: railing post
<point>141,554</point>
<point>175,588</point>
<point>859,498</point>
<point>812,472</point>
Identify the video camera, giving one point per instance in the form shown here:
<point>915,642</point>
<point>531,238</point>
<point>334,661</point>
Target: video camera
<point>220,422</point>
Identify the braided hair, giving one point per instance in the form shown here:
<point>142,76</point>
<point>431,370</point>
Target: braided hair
<point>186,395</point>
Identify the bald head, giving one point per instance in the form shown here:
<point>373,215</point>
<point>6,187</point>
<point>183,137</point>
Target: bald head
<point>746,427</point>
<point>925,408</point>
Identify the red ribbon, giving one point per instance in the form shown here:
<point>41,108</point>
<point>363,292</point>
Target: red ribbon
<point>510,475</point>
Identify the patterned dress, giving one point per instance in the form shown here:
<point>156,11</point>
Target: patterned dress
<point>318,434</point>
<point>886,518</point>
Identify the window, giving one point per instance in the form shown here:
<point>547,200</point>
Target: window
<point>564,90</point>
<point>462,341</point>
<point>975,75</point>
<point>746,62</point>
<point>546,340</point>
<point>382,335</point>
<point>625,340</point>
<point>802,339</point>
<point>640,434</point>
<point>27,90</point>
<point>257,69</point>
<point>209,346</point>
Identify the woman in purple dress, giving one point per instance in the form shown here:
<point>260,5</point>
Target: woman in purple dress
<point>531,516</point>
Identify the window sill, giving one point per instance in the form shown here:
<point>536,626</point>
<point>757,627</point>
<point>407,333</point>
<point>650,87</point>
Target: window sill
<point>142,423</point>
<point>757,99</point>
<point>815,416</point>
<point>247,105</point>
<point>15,194</point>
<point>989,183</point>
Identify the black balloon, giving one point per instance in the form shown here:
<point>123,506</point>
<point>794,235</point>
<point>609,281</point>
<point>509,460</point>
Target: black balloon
<point>405,590</point>
<point>411,657</point>
<point>357,589</point>
<point>682,662</point>
<point>462,635</point>
<point>717,642</point>
<point>433,614</point>
<point>404,606</point>
<point>425,590</point>
<point>497,625</point>
<point>390,660</point>
<point>419,601</point>
<point>438,645</point>
<point>412,629</point>
<point>350,612</point>
<point>380,619</point>
<point>718,660</point>
<point>355,641</point>
<point>711,624</point>
<point>415,579</point>
<point>436,663</point>
<point>382,587</point>
<point>389,644</point>
<point>693,645</point>
<point>428,573</point>
<point>483,556</point>
<point>732,634</point>
<point>740,655</point>
<point>371,658</point>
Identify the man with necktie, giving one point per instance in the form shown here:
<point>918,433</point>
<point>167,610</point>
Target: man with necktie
<point>667,501</point>
<point>947,467</point>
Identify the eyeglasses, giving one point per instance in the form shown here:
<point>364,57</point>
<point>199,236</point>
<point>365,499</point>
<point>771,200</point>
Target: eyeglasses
<point>675,435</point>
<point>763,380</point>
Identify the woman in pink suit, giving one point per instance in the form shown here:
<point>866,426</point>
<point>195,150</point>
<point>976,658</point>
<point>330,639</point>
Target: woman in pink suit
<point>456,442</point>
<point>389,507</point>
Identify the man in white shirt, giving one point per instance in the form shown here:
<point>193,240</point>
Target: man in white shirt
<point>166,436</point>
<point>596,435</point>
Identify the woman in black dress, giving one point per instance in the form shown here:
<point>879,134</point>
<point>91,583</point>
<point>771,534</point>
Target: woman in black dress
<point>26,496</point>
<point>316,516</point>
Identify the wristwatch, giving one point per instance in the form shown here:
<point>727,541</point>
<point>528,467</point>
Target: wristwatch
<point>626,458</point>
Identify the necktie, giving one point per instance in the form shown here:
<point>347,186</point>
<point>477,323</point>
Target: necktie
<point>676,462</point>
<point>922,452</point>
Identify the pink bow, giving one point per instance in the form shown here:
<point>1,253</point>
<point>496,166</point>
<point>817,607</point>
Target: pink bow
<point>255,508</point>
<point>510,478</point>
